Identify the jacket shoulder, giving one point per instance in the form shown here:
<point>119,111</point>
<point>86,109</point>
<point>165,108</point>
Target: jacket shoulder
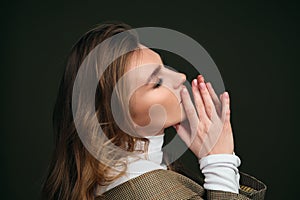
<point>157,184</point>
<point>166,184</point>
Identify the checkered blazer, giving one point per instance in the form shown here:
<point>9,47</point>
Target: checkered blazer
<point>167,184</point>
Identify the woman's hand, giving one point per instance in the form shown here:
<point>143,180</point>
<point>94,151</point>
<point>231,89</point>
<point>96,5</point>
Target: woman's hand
<point>207,130</point>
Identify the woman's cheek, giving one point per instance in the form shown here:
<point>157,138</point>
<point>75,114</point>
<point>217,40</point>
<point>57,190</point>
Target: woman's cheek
<point>139,110</point>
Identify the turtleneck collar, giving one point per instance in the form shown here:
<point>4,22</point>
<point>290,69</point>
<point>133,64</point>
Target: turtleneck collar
<point>154,152</point>
<point>142,162</point>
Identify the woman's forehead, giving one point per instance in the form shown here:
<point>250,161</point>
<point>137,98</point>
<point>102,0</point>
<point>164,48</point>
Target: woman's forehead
<point>144,56</point>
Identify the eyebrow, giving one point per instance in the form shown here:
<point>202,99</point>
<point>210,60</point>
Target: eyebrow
<point>154,73</point>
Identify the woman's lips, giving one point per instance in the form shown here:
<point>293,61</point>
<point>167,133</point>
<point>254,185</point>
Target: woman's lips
<point>180,102</point>
<point>176,126</point>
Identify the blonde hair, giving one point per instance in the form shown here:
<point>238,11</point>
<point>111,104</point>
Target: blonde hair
<point>74,172</point>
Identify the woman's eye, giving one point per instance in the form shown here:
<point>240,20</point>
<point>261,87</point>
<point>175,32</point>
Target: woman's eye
<point>158,83</point>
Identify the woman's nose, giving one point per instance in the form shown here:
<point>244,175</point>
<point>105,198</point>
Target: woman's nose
<point>182,79</point>
<point>178,79</point>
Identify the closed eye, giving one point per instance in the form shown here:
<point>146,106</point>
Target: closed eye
<point>158,83</point>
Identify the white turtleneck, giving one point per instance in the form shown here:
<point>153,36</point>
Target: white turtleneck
<point>220,170</point>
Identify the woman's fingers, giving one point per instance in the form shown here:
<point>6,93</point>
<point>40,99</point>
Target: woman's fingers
<point>225,107</point>
<point>212,93</point>
<point>214,97</point>
<point>183,131</point>
<point>208,102</point>
<point>200,79</point>
<point>206,135</point>
<point>189,110</point>
<point>198,101</point>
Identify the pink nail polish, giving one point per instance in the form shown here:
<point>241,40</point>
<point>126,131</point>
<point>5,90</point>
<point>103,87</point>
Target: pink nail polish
<point>226,94</point>
<point>195,82</point>
<point>202,86</point>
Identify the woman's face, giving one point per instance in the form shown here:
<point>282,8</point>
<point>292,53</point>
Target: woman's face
<point>155,97</point>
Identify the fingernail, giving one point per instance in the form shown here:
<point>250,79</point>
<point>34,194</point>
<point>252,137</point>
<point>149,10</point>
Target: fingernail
<point>226,94</point>
<point>200,78</point>
<point>202,86</point>
<point>184,90</point>
<point>195,82</point>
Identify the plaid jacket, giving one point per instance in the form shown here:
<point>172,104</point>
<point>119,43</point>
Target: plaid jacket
<point>166,184</point>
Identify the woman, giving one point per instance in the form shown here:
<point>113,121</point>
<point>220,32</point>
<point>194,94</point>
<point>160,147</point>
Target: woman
<point>125,161</point>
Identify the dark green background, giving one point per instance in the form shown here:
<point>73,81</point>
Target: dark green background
<point>254,44</point>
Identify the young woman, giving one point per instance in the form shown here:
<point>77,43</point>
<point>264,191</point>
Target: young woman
<point>125,161</point>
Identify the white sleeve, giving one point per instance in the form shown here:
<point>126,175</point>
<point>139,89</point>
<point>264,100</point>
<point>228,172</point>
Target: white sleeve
<point>221,172</point>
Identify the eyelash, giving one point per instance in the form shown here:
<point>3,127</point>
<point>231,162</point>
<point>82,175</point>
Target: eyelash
<point>158,84</point>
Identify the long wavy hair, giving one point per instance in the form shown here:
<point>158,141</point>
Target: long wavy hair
<point>74,173</point>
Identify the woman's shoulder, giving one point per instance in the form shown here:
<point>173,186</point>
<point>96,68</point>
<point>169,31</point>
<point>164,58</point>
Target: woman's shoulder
<point>156,184</point>
<point>167,184</point>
